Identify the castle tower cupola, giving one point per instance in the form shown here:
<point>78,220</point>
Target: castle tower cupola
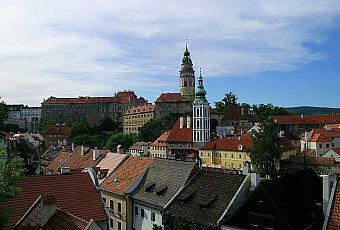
<point>187,76</point>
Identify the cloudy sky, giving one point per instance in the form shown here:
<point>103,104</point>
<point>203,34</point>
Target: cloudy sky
<point>283,52</point>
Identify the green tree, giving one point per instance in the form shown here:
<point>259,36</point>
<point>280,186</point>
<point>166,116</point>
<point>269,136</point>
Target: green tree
<point>230,99</point>
<point>154,128</point>
<point>157,227</point>
<point>126,140</point>
<point>42,126</point>
<point>108,125</point>
<point>3,114</point>
<point>10,173</point>
<point>266,152</point>
<point>265,111</point>
<point>77,129</point>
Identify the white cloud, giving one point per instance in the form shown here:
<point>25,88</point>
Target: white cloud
<point>71,48</point>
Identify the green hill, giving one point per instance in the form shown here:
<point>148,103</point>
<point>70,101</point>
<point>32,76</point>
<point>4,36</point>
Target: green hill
<point>310,110</point>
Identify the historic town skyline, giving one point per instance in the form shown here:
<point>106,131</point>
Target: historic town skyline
<point>280,53</point>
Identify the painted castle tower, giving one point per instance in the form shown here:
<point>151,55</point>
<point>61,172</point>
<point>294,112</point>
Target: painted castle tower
<point>201,115</point>
<point>187,77</point>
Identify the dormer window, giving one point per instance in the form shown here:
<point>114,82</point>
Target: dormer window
<point>240,147</point>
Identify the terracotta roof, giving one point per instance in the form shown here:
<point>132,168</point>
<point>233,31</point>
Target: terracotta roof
<point>181,135</point>
<point>238,113</point>
<point>206,197</point>
<point>337,150</point>
<point>125,175</point>
<point>327,133</point>
<point>160,185</point>
<point>332,126</point>
<point>138,145</point>
<point>286,145</point>
<point>58,161</point>
<point>318,137</point>
<point>161,140</point>
<point>334,215</point>
<point>60,220</point>
<point>119,97</point>
<point>229,144</point>
<point>110,162</point>
<point>57,129</point>
<point>74,193</point>
<point>78,161</point>
<point>307,119</point>
<point>170,97</point>
<point>326,161</point>
<point>141,109</point>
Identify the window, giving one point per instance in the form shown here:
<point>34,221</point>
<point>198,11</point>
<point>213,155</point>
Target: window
<point>240,155</point>
<point>111,223</point>
<point>111,204</point>
<point>153,216</point>
<point>142,212</point>
<point>327,145</point>
<point>136,210</point>
<point>119,207</point>
<point>104,200</point>
<point>119,225</point>
<point>232,155</point>
<point>332,144</point>
<point>320,145</point>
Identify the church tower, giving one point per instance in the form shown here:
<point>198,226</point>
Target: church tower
<point>201,115</point>
<point>187,77</point>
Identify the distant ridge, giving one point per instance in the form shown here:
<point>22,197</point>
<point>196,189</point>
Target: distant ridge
<point>310,110</point>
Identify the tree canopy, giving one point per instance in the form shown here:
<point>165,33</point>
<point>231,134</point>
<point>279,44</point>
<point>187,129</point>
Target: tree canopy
<point>230,99</point>
<point>265,111</point>
<point>3,114</point>
<point>266,152</point>
<point>126,140</point>
<point>10,173</point>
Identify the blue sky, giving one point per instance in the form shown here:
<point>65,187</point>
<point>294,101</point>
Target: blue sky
<point>281,52</point>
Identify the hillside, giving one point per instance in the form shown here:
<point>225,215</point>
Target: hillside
<point>309,110</point>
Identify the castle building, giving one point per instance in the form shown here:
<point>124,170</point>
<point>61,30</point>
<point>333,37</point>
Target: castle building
<point>201,115</point>
<point>181,102</point>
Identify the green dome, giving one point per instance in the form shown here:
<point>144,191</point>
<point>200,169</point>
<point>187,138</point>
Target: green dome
<point>200,92</point>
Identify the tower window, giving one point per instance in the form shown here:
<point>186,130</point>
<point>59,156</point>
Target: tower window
<point>185,83</point>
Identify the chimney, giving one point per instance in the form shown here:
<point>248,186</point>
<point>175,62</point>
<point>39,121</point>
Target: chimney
<point>242,111</point>
<point>82,150</point>
<point>246,168</point>
<point>47,209</point>
<point>73,148</point>
<point>302,116</point>
<point>254,180</point>
<point>181,122</point>
<point>119,149</point>
<point>327,182</point>
<point>188,122</point>
<point>95,153</point>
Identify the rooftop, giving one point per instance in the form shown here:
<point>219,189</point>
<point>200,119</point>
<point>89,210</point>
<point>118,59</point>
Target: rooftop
<point>334,216</point>
<point>178,134</point>
<point>141,109</point>
<point>170,97</point>
<point>120,180</point>
<point>74,193</point>
<point>306,119</point>
<point>162,181</point>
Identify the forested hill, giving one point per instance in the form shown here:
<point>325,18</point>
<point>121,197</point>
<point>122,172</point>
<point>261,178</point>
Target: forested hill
<point>309,110</point>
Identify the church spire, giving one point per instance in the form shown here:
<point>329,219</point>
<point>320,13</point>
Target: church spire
<point>200,92</point>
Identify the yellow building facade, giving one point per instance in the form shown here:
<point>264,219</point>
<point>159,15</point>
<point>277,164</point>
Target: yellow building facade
<point>136,117</point>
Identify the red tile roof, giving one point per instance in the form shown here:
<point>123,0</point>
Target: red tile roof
<point>119,97</point>
<point>74,193</point>
<point>125,175</point>
<point>318,137</point>
<point>313,160</point>
<point>57,129</point>
<point>181,135</point>
<point>78,161</point>
<point>337,150</point>
<point>58,161</point>
<point>110,162</point>
<point>238,113</point>
<point>161,140</point>
<point>286,145</point>
<point>59,220</point>
<point>141,109</point>
<point>229,144</point>
<point>327,133</point>
<point>170,97</point>
<point>307,119</point>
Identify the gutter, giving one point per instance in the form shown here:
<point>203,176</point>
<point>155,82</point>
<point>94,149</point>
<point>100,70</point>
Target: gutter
<point>233,199</point>
<point>324,227</point>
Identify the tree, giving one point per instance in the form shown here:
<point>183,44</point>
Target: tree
<point>229,100</point>
<point>126,140</point>
<point>154,128</point>
<point>157,227</point>
<point>42,127</point>
<point>77,129</point>
<point>10,173</point>
<point>266,152</point>
<point>3,114</point>
<point>108,125</point>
